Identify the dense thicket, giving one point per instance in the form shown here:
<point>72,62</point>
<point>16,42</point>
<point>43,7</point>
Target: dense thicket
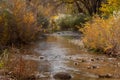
<point>19,22</point>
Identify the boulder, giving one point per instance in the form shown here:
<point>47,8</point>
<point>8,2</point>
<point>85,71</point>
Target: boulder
<point>62,76</point>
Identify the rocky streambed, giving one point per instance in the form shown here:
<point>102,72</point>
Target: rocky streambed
<point>59,59</point>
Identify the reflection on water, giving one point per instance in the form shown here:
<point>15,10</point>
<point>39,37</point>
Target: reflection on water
<point>54,54</point>
<point>62,56</point>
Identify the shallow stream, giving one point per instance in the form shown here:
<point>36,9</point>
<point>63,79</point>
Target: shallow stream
<point>58,55</point>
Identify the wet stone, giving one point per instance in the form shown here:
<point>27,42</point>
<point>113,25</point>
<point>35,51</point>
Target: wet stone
<point>70,57</point>
<point>92,67</point>
<point>58,33</point>
<point>41,57</point>
<point>76,63</point>
<point>62,76</point>
<point>83,60</point>
<point>92,60</point>
<point>105,76</point>
<point>97,58</point>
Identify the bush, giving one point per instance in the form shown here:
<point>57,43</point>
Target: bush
<point>71,21</point>
<point>103,35</point>
<point>18,24</point>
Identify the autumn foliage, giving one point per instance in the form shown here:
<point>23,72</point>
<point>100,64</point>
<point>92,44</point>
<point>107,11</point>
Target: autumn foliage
<point>17,23</point>
<point>103,35</point>
<point>110,7</point>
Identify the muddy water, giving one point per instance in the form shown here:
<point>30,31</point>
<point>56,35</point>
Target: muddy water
<point>58,55</point>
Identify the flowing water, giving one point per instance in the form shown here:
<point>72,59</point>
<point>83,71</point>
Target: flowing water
<point>58,55</point>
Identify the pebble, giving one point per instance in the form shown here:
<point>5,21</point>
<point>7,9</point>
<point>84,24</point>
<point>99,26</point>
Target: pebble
<point>97,58</point>
<point>83,60</point>
<point>75,63</point>
<point>92,60</point>
<point>92,67</point>
<point>70,57</point>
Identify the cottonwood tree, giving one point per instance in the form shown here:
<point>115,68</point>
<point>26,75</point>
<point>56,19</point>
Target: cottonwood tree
<point>84,6</point>
<point>81,6</point>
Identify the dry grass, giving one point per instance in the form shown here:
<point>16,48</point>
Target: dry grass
<point>16,67</point>
<point>21,69</point>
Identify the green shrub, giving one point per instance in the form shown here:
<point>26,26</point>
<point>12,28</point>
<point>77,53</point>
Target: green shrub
<point>71,21</point>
